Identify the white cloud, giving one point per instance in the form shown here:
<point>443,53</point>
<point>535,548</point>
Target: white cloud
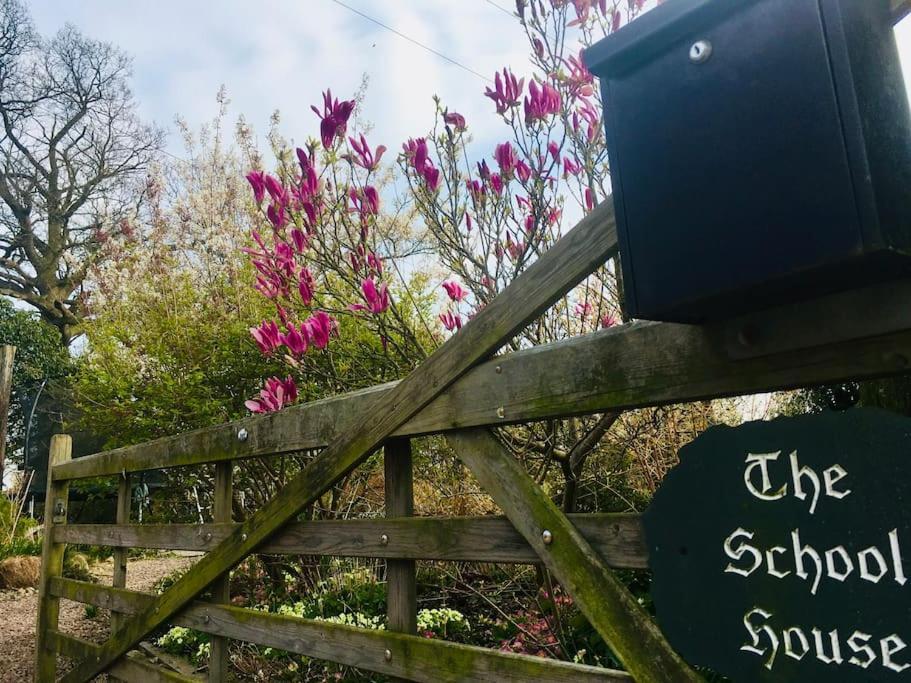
<point>281,54</point>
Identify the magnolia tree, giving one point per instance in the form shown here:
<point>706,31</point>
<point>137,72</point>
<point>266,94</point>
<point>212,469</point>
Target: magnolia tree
<point>488,219</point>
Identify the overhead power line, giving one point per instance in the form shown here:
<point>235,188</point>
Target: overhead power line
<point>412,40</point>
<point>500,7</point>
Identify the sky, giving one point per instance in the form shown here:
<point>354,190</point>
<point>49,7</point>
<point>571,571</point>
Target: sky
<point>281,54</point>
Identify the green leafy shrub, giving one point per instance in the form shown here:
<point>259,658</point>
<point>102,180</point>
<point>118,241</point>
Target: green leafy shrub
<point>20,546</point>
<point>444,623</point>
<point>186,642</point>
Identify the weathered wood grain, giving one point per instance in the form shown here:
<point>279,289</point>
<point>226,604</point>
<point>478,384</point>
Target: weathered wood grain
<point>409,657</point>
<point>130,668</point>
<point>618,538</point>
<point>626,367</point>
<point>569,261</point>
<point>602,598</point>
<point>57,493</point>
<point>221,589</point>
<point>831,319</point>
<point>900,9</point>
<point>401,589</point>
<point>122,515</point>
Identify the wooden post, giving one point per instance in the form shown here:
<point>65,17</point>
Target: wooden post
<point>55,509</point>
<point>7,354</point>
<point>221,589</point>
<point>401,593</point>
<point>124,491</point>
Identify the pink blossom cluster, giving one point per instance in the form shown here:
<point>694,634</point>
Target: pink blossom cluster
<point>295,208</point>
<point>451,317</point>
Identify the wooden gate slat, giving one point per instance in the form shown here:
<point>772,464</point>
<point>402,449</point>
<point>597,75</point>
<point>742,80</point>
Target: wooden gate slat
<point>394,654</point>
<point>609,606</point>
<point>616,536</point>
<point>127,668</point>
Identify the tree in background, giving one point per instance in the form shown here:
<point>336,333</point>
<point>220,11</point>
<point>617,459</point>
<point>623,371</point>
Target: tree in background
<point>40,370</point>
<point>72,151</point>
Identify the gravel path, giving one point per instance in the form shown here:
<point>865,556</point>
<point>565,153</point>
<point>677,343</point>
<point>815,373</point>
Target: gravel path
<point>18,612</point>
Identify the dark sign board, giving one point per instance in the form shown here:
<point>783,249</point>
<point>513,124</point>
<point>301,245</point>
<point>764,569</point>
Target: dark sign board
<point>781,550</point>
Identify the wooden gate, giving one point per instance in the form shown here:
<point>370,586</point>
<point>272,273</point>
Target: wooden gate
<point>462,391</point>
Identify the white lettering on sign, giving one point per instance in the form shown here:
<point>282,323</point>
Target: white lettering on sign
<point>805,482</point>
<point>812,565</point>
<point>796,558</point>
<point>765,640</point>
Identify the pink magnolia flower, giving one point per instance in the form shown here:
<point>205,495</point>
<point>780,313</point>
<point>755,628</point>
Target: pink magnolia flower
<point>366,202</point>
<point>334,117</point>
<point>541,102</point>
<point>432,176</point>
<point>496,182</point>
<point>589,199</point>
<point>523,172</point>
<point>257,182</point>
<point>319,327</point>
<point>554,150</point>
<point>455,120</point>
<point>305,285</point>
<point>416,152</point>
<point>363,156</point>
<point>467,221</point>
<point>571,167</point>
<point>375,263</point>
<point>274,187</point>
<point>582,310</point>
<point>305,159</point>
<point>507,91</point>
<point>277,215</point>
<point>377,298</point>
<point>296,339</point>
<point>454,290</point>
<point>515,248</point>
<point>608,320</point>
<point>580,79</point>
<point>276,395</point>
<point>299,240</point>
<point>451,321</point>
<point>506,158</point>
<point>582,8</point>
<point>266,336</point>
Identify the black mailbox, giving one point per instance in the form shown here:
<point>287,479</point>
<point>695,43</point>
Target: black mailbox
<point>760,152</point>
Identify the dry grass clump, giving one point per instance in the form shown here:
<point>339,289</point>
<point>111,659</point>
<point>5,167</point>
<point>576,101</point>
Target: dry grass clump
<point>20,572</point>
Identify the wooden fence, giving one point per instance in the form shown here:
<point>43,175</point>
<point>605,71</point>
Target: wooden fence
<point>462,391</point>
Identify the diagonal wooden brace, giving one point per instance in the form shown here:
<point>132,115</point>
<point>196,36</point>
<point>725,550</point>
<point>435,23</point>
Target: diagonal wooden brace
<point>583,249</point>
<point>609,606</point>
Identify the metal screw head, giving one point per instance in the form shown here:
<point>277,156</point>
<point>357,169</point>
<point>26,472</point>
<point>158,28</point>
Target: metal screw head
<point>700,51</point>
<point>387,655</point>
<point>499,369</point>
<point>207,619</point>
<point>208,536</point>
<point>547,537</point>
<point>501,412</point>
<point>242,434</point>
<point>243,537</point>
<point>384,540</point>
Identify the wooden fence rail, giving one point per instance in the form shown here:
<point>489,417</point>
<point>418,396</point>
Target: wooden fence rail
<point>617,537</point>
<point>633,366</point>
